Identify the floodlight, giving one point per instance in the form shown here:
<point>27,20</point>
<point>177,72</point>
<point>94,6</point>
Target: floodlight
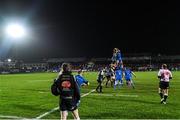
<point>15,30</point>
<point>9,60</point>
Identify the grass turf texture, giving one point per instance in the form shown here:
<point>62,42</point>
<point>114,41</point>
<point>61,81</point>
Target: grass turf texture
<point>28,96</point>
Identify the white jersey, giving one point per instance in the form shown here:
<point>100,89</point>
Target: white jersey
<point>101,72</point>
<point>165,74</point>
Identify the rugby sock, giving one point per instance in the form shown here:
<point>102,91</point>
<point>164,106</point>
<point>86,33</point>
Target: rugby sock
<point>114,87</point>
<point>97,88</point>
<point>100,88</point>
<point>119,86</point>
<point>161,95</point>
<point>121,83</point>
<point>165,97</point>
<point>78,118</point>
<point>106,83</point>
<point>133,85</point>
<point>129,84</point>
<point>111,84</point>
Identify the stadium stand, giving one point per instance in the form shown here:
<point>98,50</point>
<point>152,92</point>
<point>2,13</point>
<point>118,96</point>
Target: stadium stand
<point>137,63</point>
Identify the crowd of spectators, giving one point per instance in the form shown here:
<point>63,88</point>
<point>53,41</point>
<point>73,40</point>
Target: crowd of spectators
<point>140,64</point>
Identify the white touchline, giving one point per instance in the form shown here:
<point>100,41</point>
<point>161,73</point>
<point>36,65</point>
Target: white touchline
<point>11,117</point>
<point>54,109</point>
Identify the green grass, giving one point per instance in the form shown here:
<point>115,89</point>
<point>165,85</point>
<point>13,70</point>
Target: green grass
<point>28,96</point>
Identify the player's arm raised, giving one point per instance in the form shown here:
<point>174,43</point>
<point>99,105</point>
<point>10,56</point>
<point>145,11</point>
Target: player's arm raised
<point>133,74</point>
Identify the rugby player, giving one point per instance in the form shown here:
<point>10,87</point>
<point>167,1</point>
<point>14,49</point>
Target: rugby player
<point>100,80</point>
<point>128,77</point>
<point>80,79</point>
<point>164,75</point>
<point>118,77</point>
<point>117,57</point>
<point>109,73</point>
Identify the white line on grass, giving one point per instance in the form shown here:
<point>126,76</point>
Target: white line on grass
<point>56,108</point>
<point>114,95</point>
<point>11,117</point>
<point>42,92</point>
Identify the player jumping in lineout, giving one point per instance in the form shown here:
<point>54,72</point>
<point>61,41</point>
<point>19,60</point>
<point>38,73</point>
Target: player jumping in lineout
<point>117,57</point>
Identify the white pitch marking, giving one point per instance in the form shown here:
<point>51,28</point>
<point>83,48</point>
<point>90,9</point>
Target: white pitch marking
<point>11,117</point>
<point>42,92</point>
<point>87,93</point>
<point>115,95</point>
<point>54,109</point>
<point>47,113</point>
<point>128,95</point>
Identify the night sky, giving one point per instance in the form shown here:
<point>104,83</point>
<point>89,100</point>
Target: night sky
<point>88,28</point>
